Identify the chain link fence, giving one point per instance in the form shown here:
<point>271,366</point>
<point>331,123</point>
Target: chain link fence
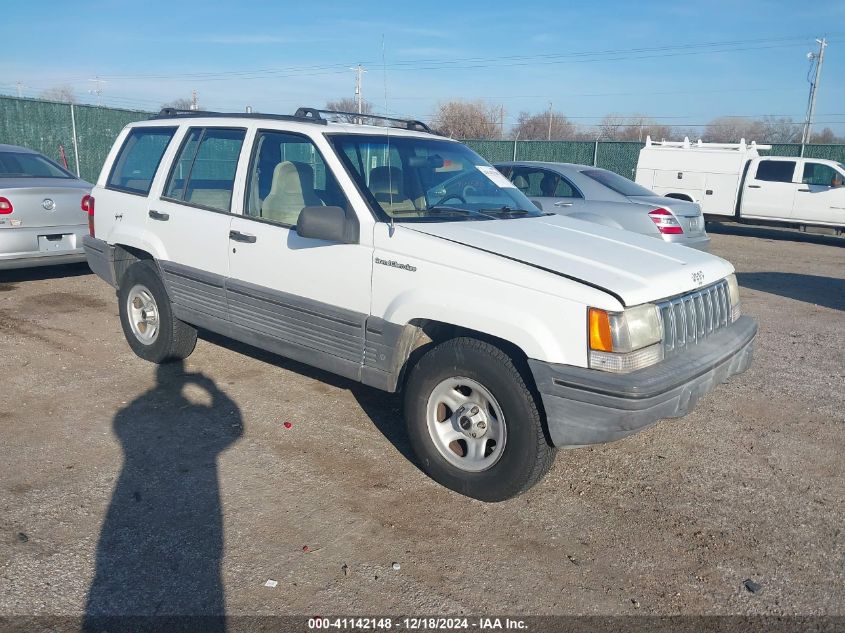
<point>47,126</point>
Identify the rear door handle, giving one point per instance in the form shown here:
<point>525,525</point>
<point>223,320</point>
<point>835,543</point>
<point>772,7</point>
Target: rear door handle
<point>753,186</point>
<point>155,215</point>
<point>806,190</point>
<point>563,204</point>
<point>242,237</point>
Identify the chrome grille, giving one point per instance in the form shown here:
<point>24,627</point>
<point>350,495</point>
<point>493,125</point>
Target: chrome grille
<point>694,316</point>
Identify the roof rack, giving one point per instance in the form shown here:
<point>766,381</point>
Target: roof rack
<point>173,113</point>
<point>741,146</point>
<point>315,114</point>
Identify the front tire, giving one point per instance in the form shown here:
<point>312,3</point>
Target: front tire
<point>147,318</point>
<point>473,422</point>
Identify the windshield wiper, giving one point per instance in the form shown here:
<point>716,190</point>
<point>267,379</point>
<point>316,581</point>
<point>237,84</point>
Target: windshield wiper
<point>440,210</point>
<point>507,210</point>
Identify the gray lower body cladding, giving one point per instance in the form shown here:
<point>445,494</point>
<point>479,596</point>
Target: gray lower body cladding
<point>344,342</point>
<point>585,406</point>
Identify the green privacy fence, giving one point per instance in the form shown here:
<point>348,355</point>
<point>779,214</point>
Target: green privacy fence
<point>46,126</point>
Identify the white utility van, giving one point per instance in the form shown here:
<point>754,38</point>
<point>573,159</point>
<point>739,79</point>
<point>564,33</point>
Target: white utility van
<point>403,260</point>
<point>732,180</point>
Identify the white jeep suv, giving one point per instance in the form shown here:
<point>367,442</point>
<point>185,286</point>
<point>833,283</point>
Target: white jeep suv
<point>403,260</point>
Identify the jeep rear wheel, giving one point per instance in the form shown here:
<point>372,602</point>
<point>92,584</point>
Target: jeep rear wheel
<point>147,318</point>
<point>473,423</point>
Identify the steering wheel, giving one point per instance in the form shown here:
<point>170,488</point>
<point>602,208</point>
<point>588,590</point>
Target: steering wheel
<point>449,197</point>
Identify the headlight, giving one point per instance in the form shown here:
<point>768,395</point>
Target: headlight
<point>733,291</point>
<point>625,341</point>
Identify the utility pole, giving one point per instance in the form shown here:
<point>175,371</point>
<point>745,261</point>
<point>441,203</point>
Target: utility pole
<point>99,88</point>
<point>818,58</point>
<point>359,97</point>
<point>550,120</point>
<point>502,122</point>
<point>194,103</point>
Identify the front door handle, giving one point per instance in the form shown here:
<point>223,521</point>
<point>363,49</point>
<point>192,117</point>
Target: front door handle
<point>563,204</point>
<point>242,237</point>
<point>753,186</point>
<point>155,215</point>
<point>804,190</point>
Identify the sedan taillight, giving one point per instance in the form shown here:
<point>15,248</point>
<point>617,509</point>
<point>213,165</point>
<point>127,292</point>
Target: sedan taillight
<point>5,206</point>
<point>88,207</point>
<point>666,223</point>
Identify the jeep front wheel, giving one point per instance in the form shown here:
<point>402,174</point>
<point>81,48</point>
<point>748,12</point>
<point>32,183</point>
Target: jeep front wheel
<point>473,423</point>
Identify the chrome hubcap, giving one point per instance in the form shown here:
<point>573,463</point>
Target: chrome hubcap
<point>466,424</point>
<point>143,314</point>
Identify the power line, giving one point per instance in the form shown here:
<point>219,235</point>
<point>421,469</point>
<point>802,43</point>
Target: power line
<point>478,62</point>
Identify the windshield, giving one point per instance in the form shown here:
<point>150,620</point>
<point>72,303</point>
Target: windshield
<point>413,179</point>
<point>24,165</point>
<point>618,183</point>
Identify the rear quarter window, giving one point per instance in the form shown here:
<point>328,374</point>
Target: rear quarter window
<point>138,160</point>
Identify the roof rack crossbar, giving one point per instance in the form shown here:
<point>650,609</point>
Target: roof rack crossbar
<point>172,113</point>
<point>316,115</point>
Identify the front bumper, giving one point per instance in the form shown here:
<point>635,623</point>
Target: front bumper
<point>587,406</point>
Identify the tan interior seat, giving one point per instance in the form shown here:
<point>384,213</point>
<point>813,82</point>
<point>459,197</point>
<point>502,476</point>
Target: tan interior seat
<point>521,183</point>
<point>292,190</point>
<point>388,190</point>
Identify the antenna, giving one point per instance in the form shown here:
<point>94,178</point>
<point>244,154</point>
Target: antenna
<point>389,170</point>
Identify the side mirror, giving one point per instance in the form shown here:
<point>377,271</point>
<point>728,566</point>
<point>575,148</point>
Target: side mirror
<point>327,223</point>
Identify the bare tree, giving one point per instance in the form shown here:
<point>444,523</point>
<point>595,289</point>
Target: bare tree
<point>825,136</point>
<point>637,127</point>
<point>729,129</point>
<point>467,120</point>
<point>180,104</point>
<point>64,93</point>
<point>779,130</point>
<point>542,126</point>
<point>349,104</point>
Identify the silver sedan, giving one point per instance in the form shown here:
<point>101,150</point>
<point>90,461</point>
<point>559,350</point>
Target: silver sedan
<point>42,210</point>
<point>604,197</point>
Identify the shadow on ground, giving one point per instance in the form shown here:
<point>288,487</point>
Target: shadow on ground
<point>384,409</point>
<point>8,278</point>
<point>160,550</point>
<point>774,233</point>
<point>824,291</point>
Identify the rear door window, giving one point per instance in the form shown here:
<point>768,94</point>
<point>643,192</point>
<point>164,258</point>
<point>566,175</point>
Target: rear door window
<point>776,170</point>
<point>204,172</point>
<point>139,158</point>
<point>540,183</point>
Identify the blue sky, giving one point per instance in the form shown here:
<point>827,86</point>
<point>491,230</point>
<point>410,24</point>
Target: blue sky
<point>276,56</point>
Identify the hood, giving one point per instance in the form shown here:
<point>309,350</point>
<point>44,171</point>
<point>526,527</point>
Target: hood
<point>635,268</point>
<point>682,208</point>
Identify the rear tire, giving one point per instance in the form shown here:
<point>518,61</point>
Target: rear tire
<point>474,424</point>
<point>147,318</point>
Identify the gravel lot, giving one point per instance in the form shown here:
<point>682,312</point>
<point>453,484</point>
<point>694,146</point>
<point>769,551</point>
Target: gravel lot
<point>191,476</point>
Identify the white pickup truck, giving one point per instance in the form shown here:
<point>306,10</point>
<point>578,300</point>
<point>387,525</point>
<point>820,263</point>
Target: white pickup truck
<point>732,180</point>
<point>403,260</point>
